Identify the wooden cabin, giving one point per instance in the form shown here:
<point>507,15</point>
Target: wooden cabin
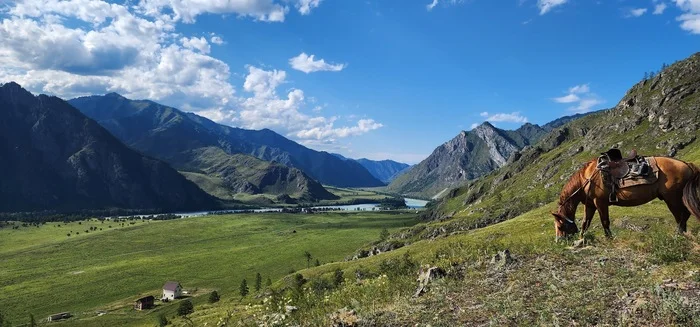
<point>145,303</point>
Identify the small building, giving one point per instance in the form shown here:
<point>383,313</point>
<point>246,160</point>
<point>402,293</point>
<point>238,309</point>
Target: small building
<point>145,303</point>
<point>171,291</point>
<point>59,316</point>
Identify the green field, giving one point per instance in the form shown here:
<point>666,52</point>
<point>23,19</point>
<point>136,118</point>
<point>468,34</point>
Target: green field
<point>44,271</point>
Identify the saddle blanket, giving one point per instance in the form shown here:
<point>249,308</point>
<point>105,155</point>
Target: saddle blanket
<point>642,172</point>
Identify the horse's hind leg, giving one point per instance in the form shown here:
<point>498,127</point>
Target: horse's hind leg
<point>680,212</point>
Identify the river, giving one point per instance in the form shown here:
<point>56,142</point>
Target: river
<point>411,203</point>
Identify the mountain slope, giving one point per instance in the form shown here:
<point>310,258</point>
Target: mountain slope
<point>468,156</point>
<point>383,170</point>
<point>55,158</point>
<point>229,175</point>
<point>165,132</point>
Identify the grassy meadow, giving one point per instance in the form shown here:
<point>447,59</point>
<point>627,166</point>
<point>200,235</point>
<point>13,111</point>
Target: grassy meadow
<point>44,271</point>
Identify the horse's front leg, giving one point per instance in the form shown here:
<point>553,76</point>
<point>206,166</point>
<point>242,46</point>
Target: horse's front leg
<point>590,211</point>
<point>605,219</point>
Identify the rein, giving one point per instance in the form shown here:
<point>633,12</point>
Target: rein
<point>588,181</point>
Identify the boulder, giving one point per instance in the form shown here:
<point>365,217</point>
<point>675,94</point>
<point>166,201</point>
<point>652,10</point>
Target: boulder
<point>425,276</point>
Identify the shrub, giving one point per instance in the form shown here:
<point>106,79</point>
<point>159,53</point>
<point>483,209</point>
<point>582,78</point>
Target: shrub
<point>185,308</point>
<point>162,321</point>
<point>214,297</point>
<point>338,277</point>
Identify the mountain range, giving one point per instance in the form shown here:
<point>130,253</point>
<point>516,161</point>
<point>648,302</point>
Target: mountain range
<point>469,155</point>
<point>170,134</point>
<point>383,170</point>
<point>56,158</point>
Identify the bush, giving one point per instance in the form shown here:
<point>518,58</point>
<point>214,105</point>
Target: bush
<point>162,321</point>
<point>320,285</point>
<point>214,297</point>
<point>185,308</point>
<point>338,277</point>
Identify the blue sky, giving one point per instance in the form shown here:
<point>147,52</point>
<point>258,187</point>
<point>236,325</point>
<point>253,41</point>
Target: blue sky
<point>398,79</point>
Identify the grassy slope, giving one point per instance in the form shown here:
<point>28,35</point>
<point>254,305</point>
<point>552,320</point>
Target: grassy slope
<point>44,271</point>
<point>613,282</point>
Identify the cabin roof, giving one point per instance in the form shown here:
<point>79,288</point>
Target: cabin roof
<point>146,299</point>
<point>171,286</point>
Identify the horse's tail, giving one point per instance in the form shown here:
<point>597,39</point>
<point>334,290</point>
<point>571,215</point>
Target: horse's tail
<point>691,198</point>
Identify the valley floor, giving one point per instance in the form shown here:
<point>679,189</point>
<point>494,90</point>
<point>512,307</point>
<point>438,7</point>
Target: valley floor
<point>108,265</point>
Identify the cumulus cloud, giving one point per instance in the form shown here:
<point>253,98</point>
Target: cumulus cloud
<point>194,43</point>
<point>307,64</point>
<point>659,9</point>
<point>690,19</point>
<point>636,12</point>
<point>79,47</point>
<point>580,98</point>
<point>265,108</point>
<point>546,6</point>
<point>513,117</point>
<point>305,6</point>
<point>188,10</point>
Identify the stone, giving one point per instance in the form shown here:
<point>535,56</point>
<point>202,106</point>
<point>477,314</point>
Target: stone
<point>344,318</point>
<point>425,276</point>
<point>501,259</point>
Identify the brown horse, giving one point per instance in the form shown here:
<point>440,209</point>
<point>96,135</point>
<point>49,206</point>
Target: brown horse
<point>677,185</point>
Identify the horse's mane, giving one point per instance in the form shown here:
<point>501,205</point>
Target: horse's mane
<point>574,184</point>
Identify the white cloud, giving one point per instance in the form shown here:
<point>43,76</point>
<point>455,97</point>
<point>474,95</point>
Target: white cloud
<point>636,12</point>
<point>581,97</point>
<point>659,9</point>
<point>431,5</point>
<point>547,5</point>
<point>578,89</point>
<point>264,108</point>
<point>307,64</point>
<point>188,10</point>
<point>216,40</point>
<point>585,105</point>
<point>513,117</point>
<point>305,6</point>
<point>473,126</point>
<point>194,43</point>
<point>80,47</point>
<point>690,20</point>
<point>569,98</point>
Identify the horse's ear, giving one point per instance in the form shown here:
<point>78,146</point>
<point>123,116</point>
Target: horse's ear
<point>557,215</point>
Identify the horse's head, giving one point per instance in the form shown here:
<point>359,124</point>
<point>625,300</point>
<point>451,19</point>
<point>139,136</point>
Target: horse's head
<point>564,226</point>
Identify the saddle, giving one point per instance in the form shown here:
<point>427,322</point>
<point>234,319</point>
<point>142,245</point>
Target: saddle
<point>619,172</point>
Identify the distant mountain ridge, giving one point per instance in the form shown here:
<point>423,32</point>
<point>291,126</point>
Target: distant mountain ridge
<point>56,158</point>
<point>384,170</point>
<point>189,143</point>
<point>470,155</point>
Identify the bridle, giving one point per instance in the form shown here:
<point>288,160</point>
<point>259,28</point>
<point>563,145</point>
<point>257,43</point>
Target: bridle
<point>588,181</point>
